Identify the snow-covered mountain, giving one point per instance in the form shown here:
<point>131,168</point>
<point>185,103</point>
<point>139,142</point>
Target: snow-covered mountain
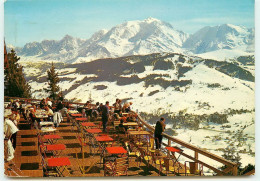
<point>144,37</point>
<point>226,36</point>
<point>130,38</point>
<point>64,49</point>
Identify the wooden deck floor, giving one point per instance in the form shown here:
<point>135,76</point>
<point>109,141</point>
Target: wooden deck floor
<point>27,161</point>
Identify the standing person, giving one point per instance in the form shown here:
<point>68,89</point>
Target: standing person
<point>15,116</point>
<point>105,115</point>
<point>10,131</point>
<point>57,118</point>
<point>116,106</point>
<point>59,106</point>
<point>159,129</point>
<point>60,96</point>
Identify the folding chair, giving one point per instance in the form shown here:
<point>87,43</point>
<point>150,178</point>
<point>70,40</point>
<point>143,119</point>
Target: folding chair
<point>48,171</point>
<point>144,157</point>
<point>117,168</point>
<point>130,151</point>
<point>193,168</point>
<point>158,160</point>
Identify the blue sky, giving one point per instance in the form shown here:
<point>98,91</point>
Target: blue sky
<point>36,20</point>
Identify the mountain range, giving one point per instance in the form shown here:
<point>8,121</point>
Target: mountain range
<point>139,38</point>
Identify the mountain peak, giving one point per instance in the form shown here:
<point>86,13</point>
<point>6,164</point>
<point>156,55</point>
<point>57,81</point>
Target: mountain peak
<point>225,36</point>
<point>151,19</point>
<point>67,37</point>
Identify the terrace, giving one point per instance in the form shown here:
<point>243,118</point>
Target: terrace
<point>79,148</point>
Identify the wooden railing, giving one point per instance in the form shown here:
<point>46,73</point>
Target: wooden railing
<point>231,167</point>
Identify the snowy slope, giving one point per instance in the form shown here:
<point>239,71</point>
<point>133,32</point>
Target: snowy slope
<point>222,87</point>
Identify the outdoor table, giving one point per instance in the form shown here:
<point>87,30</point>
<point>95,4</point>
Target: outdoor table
<point>73,112</point>
<point>48,129</point>
<point>41,115</point>
<point>45,123</point>
<point>56,149</point>
<point>102,140</point>
<point>76,115</point>
<point>134,124</point>
<point>139,134</point>
<point>93,131</point>
<point>174,150</point>
<point>51,138</point>
<point>88,124</point>
<point>91,134</point>
<point>116,150</point>
<point>81,119</point>
<point>60,164</point>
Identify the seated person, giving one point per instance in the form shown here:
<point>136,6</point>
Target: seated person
<point>127,107</point>
<point>49,113</point>
<point>95,111</point>
<point>131,119</point>
<point>120,116</point>
<point>88,109</point>
<point>15,116</point>
<point>99,109</point>
<point>120,126</point>
<point>42,103</point>
<point>32,115</point>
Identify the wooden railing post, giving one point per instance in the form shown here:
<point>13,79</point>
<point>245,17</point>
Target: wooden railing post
<point>196,156</point>
<point>234,171</point>
<point>169,144</point>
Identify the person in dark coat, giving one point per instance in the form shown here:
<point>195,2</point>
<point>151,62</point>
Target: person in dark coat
<point>105,115</point>
<point>42,104</point>
<point>159,129</point>
<point>59,106</point>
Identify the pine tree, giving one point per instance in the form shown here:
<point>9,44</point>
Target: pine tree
<point>53,81</point>
<point>229,154</point>
<point>15,83</point>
